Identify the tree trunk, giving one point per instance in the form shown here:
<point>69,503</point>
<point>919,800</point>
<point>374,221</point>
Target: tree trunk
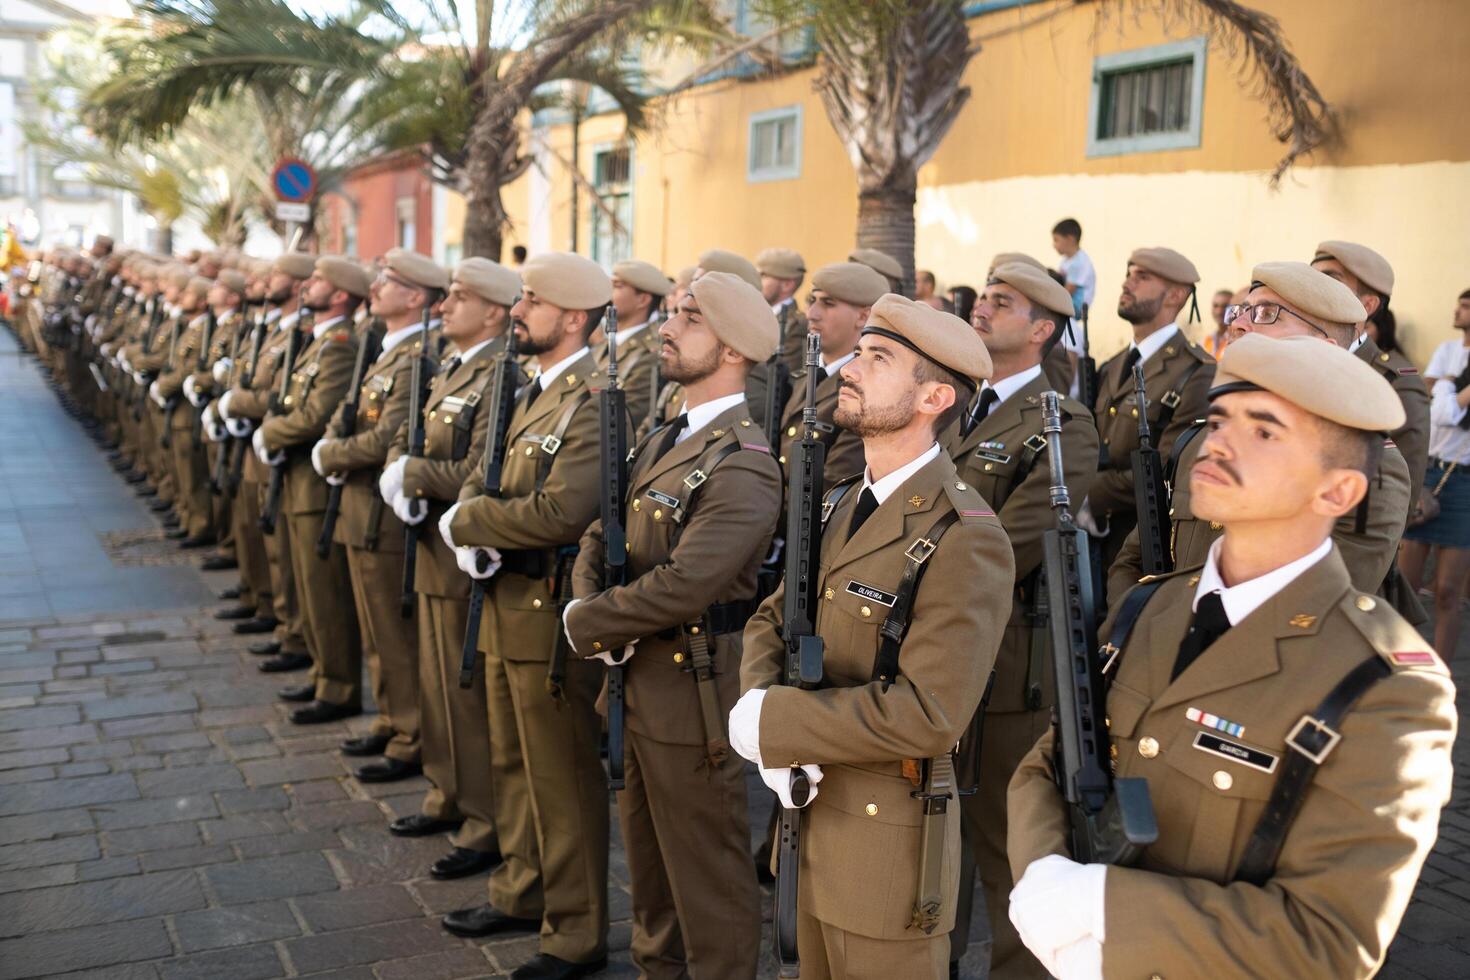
<point>886,222</point>
<point>163,239</point>
<point>482,233</point>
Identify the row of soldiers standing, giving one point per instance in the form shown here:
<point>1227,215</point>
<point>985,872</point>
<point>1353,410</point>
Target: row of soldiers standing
<point>381,382</point>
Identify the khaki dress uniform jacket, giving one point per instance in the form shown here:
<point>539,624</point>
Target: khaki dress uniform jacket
<point>550,790</point>
<point>686,831</point>
<point>191,484</point>
<point>1412,437</point>
<point>844,447</point>
<point>637,360</point>
<point>1367,821</point>
<point>792,354</point>
<point>1005,458</point>
<point>860,843</point>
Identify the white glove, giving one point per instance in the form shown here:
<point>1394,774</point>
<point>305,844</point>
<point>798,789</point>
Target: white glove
<point>745,725</point>
<point>444,523</point>
<point>239,428</point>
<point>477,563</point>
<point>90,323</point>
<point>609,657</point>
<point>390,484</point>
<point>214,429</point>
<point>224,403</point>
<point>222,369</point>
<point>316,457</point>
<point>410,511</point>
<point>1080,961</point>
<point>191,391</point>
<point>1088,521</point>
<point>1057,903</point>
<point>262,453</point>
<point>157,396</point>
<point>779,782</point>
<point>137,377</point>
<point>123,362</point>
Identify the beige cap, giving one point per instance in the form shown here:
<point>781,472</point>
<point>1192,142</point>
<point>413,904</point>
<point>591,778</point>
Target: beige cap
<point>179,276</point>
<point>417,268</point>
<point>1316,376</point>
<point>851,282</point>
<point>1371,268</point>
<point>1167,263</point>
<point>737,313</point>
<point>644,276</point>
<point>297,265</point>
<point>1310,292</point>
<point>719,260</point>
<point>233,280</point>
<point>881,262</point>
<point>685,276</point>
<point>1036,285</point>
<point>940,337</point>
<point>1010,258</point>
<point>199,284</point>
<point>782,263</point>
<point>569,281</point>
<point>489,280</point>
<point>345,275</point>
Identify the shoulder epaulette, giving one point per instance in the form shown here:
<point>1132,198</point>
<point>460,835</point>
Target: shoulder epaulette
<point>1176,573</point>
<point>840,483</point>
<point>1391,637</point>
<point>749,435</point>
<point>340,336</point>
<point>967,502</point>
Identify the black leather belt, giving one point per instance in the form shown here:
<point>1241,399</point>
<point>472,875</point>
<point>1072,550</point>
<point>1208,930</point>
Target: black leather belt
<point>532,563</point>
<point>723,617</point>
<point>1445,464</point>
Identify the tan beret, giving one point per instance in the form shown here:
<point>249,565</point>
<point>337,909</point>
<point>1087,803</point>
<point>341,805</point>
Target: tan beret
<point>297,265</point>
<point>782,263</point>
<point>1167,263</point>
<point>232,279</point>
<point>1036,285</point>
<point>1310,292</point>
<point>719,260</point>
<point>1314,375</point>
<point>344,274</point>
<point>943,338</point>
<point>643,275</point>
<point>851,282</point>
<point>198,284</point>
<point>685,276</point>
<point>1371,268</point>
<point>179,276</point>
<point>881,262</point>
<point>1010,258</point>
<point>569,281</point>
<point>490,281</point>
<point>417,268</point>
<point>737,313</point>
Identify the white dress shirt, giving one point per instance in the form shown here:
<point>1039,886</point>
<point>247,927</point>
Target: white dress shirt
<point>467,354</point>
<point>833,367</point>
<point>703,414</point>
<point>545,378</point>
<point>1155,342</point>
<point>1007,387</point>
<point>884,488</point>
<point>397,337</point>
<point>320,328</point>
<point>1246,597</point>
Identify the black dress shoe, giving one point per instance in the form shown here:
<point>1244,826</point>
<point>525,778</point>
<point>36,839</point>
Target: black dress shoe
<point>233,592</point>
<point>169,522</point>
<point>197,541</point>
<point>321,712</point>
<point>145,492</point>
<point>484,920</point>
<point>365,745</point>
<point>160,506</point>
<point>177,534</point>
<point>138,476</point>
<point>260,624</point>
<point>388,771</point>
<point>115,455</point>
<point>285,663</point>
<point>421,825</point>
<point>544,966</point>
<point>301,693</point>
<point>264,648</point>
<point>235,612</point>
<point>219,563</point>
<point>463,862</point>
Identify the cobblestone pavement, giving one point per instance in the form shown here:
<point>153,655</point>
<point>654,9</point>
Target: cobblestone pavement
<point>161,820</point>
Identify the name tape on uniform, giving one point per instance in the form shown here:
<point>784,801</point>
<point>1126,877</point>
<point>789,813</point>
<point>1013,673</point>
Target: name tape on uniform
<point>1234,751</point>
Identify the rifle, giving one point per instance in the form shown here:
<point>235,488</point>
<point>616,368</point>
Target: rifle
<point>1149,494</point>
<point>416,435</point>
<point>804,647</point>
<point>502,405</point>
<point>155,318</point>
<point>272,505</point>
<point>1112,819</point>
<point>222,456</point>
<point>614,453</point>
<point>655,377</point>
<point>1086,367</point>
<point>778,383</point>
<point>239,447</point>
<point>201,364</point>
<point>347,427</point>
<point>166,440</point>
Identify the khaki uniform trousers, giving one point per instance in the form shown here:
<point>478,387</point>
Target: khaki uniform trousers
<point>221,506</point>
<point>333,638</point>
<point>454,737</point>
<point>290,630</point>
<point>153,456</point>
<point>551,806</point>
<point>391,645</point>
<point>686,832</point>
<point>192,497</point>
<point>250,550</point>
<point>830,953</point>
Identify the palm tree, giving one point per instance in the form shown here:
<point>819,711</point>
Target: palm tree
<point>454,88</point>
<point>890,76</point>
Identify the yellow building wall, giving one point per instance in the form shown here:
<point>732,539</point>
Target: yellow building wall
<point>1015,161</point>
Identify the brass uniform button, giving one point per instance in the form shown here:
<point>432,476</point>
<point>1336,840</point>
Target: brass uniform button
<point>535,603</point>
<point>1112,410</point>
<point>960,486</point>
<point>866,612</point>
<point>871,809</point>
<point>678,658</point>
<point>1222,780</point>
<point>791,430</point>
<point>745,423</point>
<point>1134,413</point>
<point>432,416</point>
<point>1148,746</point>
<point>596,644</point>
<point>783,460</point>
<point>989,467</point>
<point>530,450</point>
<point>1365,603</point>
<point>658,513</point>
<point>636,504</point>
<point>829,594</point>
<point>717,433</point>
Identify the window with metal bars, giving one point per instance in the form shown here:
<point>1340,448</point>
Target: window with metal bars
<point>1146,100</point>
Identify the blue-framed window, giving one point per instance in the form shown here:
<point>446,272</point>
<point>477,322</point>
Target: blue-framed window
<point>774,145</point>
<point>1146,100</point>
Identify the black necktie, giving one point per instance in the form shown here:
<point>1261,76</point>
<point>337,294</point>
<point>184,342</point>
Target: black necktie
<point>821,374</point>
<point>1129,359</point>
<point>451,365</point>
<point>671,435</point>
<point>1207,626</point>
<point>867,503</point>
<point>981,411</point>
<point>532,390</point>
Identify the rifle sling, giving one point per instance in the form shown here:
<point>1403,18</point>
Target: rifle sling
<point>896,625</point>
<point>1128,612</point>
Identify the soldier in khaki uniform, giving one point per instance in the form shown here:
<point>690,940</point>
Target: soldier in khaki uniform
<point>455,734</point>
<point>858,737</point>
<point>999,449</point>
<point>543,749</point>
<point>191,495</point>
<point>1262,676</point>
<point>146,367</point>
<point>242,408</point>
<point>638,292</point>
<point>1059,364</point>
<point>882,263</point>
<point>322,374</point>
<point>226,299</point>
<point>782,272</point>
<point>373,536</point>
<point>1176,375</point>
<point>1368,538</point>
<point>696,906</point>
